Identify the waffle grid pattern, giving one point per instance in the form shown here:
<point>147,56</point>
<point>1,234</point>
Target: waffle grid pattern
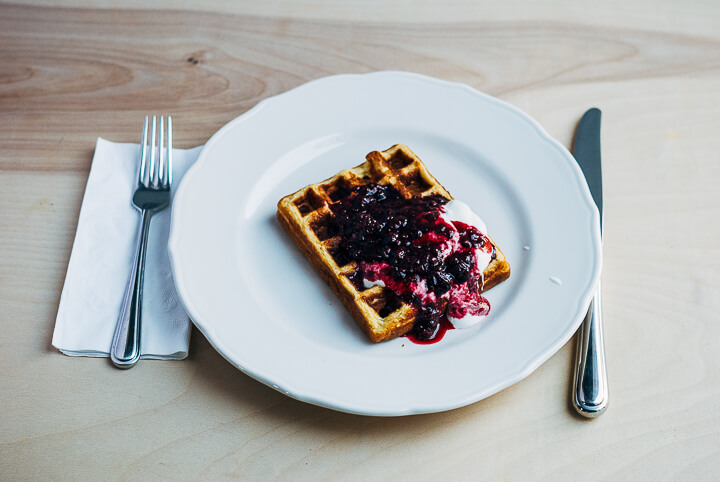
<point>309,221</point>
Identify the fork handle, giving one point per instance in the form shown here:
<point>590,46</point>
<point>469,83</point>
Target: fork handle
<point>590,397</point>
<point>125,349</point>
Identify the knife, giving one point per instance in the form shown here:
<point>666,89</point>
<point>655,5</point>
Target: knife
<point>590,387</point>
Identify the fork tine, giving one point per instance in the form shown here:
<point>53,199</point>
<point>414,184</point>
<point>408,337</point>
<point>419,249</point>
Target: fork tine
<point>143,153</point>
<point>152,177</point>
<point>169,152</point>
<point>161,154</point>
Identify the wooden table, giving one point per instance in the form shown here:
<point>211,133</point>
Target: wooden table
<point>73,73</point>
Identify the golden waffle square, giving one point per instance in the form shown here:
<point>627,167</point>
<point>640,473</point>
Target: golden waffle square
<point>308,220</point>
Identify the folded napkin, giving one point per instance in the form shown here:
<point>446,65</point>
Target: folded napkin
<point>101,260</point>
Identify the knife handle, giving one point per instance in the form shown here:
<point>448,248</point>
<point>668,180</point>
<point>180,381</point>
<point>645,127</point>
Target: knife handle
<point>590,390</point>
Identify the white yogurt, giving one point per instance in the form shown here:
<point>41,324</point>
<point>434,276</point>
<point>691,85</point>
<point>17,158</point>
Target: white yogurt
<point>459,211</point>
<point>456,210</point>
<point>369,284</point>
<point>466,321</point>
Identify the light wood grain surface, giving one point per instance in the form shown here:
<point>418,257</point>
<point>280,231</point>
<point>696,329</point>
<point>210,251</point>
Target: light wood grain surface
<point>73,71</point>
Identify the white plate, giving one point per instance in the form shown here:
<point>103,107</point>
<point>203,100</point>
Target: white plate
<point>259,302</point>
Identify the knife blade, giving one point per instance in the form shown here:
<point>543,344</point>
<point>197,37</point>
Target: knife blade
<point>590,387</point>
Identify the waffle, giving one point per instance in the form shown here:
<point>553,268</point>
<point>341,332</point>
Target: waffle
<point>308,220</point>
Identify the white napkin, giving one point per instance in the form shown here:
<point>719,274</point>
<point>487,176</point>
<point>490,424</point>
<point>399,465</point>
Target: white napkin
<point>101,260</point>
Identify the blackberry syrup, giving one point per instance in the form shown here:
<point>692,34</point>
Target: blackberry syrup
<point>408,245</point>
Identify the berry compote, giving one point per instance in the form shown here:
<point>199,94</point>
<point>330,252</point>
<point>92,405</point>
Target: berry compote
<point>407,246</point>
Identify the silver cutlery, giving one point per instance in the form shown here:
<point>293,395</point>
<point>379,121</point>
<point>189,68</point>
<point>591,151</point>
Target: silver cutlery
<point>151,195</point>
<point>590,387</point>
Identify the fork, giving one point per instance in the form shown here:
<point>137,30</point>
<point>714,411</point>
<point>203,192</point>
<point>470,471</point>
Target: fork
<point>151,195</point>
